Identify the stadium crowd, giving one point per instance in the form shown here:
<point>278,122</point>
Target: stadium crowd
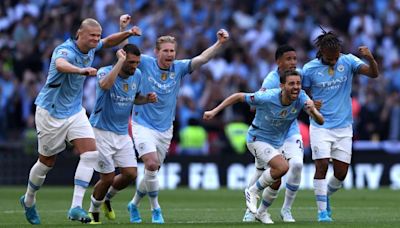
<point>30,30</point>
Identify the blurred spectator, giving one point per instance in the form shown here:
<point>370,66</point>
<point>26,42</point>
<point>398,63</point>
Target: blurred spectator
<point>236,133</point>
<point>29,31</point>
<point>193,139</point>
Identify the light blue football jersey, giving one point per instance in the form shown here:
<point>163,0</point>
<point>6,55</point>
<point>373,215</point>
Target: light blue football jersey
<point>62,94</point>
<point>273,81</point>
<point>272,120</point>
<point>113,107</point>
<point>334,90</point>
<point>165,83</point>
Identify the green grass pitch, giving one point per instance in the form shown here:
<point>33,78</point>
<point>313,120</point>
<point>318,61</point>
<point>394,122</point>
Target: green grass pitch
<point>200,208</point>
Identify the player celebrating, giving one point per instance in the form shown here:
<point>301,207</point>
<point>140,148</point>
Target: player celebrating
<point>152,123</point>
<point>286,59</point>
<point>60,115</point>
<point>117,90</point>
<point>329,78</point>
<point>276,109</point>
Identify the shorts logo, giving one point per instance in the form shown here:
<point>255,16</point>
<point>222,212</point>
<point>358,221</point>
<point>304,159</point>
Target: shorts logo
<point>46,148</point>
<point>101,164</point>
<point>141,146</point>
<point>315,149</point>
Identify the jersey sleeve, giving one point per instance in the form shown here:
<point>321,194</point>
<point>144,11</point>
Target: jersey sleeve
<point>257,98</point>
<point>184,66</point>
<point>66,54</point>
<point>303,97</point>
<point>99,45</point>
<point>355,62</point>
<point>102,73</point>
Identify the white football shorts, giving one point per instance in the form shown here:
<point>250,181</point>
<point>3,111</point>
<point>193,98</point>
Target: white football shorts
<point>148,140</point>
<point>263,152</point>
<point>293,148</point>
<point>53,132</point>
<point>331,143</point>
<point>114,151</point>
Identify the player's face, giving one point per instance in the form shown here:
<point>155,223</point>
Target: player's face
<point>131,63</point>
<point>90,36</point>
<point>330,56</point>
<point>292,87</point>
<point>287,61</point>
<point>166,55</point>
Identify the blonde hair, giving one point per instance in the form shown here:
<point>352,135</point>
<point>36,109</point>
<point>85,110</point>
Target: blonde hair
<point>88,22</point>
<point>165,39</point>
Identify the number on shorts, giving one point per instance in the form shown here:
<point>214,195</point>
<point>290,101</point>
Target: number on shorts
<point>300,143</point>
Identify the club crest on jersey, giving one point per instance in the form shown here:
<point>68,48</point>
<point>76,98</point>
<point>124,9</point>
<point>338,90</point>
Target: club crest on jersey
<point>283,113</point>
<point>133,86</point>
<point>294,110</point>
<point>164,76</point>
<point>340,68</point>
<point>86,61</point>
<point>126,87</point>
<point>172,75</point>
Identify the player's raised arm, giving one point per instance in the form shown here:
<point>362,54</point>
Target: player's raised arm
<point>149,98</point>
<point>232,99</point>
<point>116,38</point>
<point>370,70</point>
<point>206,55</point>
<point>108,81</point>
<point>63,66</point>
<point>312,111</point>
<point>124,21</point>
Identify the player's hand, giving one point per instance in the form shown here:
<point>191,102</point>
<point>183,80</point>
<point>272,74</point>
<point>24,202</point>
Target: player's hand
<point>318,104</point>
<point>222,35</point>
<point>121,55</point>
<point>124,21</point>
<point>135,31</point>
<point>365,52</point>
<point>309,106</point>
<point>152,97</point>
<point>88,71</point>
<point>208,115</point>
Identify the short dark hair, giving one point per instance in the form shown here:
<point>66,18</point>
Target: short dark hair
<point>327,40</point>
<point>288,73</point>
<point>282,50</point>
<point>131,49</point>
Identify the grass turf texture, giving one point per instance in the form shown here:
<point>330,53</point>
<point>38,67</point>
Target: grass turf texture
<point>200,208</point>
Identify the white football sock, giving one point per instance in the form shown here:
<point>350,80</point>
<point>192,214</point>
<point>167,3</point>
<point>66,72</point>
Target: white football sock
<point>320,191</point>
<point>111,193</point>
<point>334,184</point>
<point>293,181</point>
<point>151,180</point>
<point>37,175</point>
<point>95,204</point>
<point>83,175</point>
<point>268,197</point>
<point>140,192</point>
